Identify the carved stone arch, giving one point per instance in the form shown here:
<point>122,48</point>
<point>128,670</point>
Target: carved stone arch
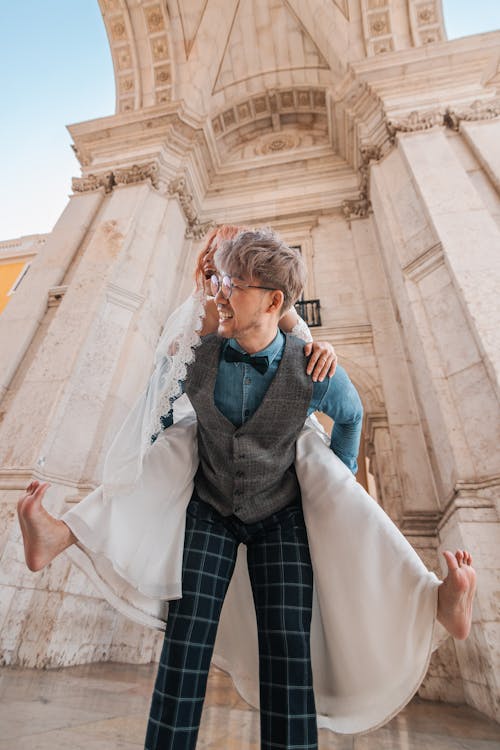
<point>368,388</point>
<point>273,120</point>
<point>426,21</point>
<point>138,35</point>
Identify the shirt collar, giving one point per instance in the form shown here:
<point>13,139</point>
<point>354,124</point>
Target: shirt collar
<point>271,351</point>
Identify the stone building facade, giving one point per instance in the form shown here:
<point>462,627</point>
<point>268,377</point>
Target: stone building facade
<point>355,129</point>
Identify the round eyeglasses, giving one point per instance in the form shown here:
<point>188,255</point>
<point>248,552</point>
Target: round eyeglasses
<point>225,286</point>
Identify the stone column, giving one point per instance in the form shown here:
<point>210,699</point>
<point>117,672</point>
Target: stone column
<point>398,451</point>
<point>440,244</point>
<point>21,318</point>
<point>483,139</point>
<point>88,370</point>
<point>411,484</point>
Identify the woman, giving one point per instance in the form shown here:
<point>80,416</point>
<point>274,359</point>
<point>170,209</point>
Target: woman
<point>129,538</point>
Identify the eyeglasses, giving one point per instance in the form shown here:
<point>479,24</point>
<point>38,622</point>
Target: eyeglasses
<point>226,286</point>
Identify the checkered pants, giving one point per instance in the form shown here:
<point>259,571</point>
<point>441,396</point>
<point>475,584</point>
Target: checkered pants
<point>280,572</point>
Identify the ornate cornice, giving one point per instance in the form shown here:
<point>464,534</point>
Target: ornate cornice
<point>92,182</point>
<point>123,176</point>
<point>359,208</point>
<point>415,121</point>
<point>137,173</point>
<point>478,110</point>
<point>481,109</point>
<point>195,228</point>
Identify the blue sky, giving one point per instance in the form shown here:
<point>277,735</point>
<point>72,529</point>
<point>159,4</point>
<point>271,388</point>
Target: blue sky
<point>56,69</point>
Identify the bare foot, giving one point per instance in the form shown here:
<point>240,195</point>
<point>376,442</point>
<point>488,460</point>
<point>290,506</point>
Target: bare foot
<point>44,536</point>
<point>456,594</point>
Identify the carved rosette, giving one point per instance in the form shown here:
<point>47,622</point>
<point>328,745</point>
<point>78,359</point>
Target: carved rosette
<point>195,229</point>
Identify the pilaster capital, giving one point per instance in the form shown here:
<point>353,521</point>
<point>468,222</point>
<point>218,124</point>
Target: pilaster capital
<point>481,109</point>
<point>359,208</point>
<point>137,173</point>
<point>195,229</point>
<point>89,183</point>
<point>130,175</point>
<point>414,122</point>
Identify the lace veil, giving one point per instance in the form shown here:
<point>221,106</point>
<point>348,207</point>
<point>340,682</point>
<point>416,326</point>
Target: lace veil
<point>124,462</point>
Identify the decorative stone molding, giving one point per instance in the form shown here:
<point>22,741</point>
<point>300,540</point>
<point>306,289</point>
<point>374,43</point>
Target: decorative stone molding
<point>425,263</point>
<point>123,176</point>
<point>195,228</point>
<point>481,109</point>
<point>415,121</point>
<point>420,523</point>
<point>359,208</point>
<point>137,173</point>
<point>123,297</point>
<point>275,106</point>
<point>142,71</point>
<point>377,26</point>
<point>473,502</point>
<point>93,182</point>
<point>478,110</point>
<point>56,293</point>
<point>426,22</point>
<point>346,335</point>
<point>375,420</point>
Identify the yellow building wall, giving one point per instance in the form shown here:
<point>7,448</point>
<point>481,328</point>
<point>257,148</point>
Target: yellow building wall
<point>8,274</point>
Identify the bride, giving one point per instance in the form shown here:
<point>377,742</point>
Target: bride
<point>375,602</point>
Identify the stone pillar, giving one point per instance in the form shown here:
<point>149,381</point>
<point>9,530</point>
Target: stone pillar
<point>88,370</point>
<point>398,450</point>
<point>23,315</point>
<point>410,486</point>
<point>439,244</point>
<point>483,139</point>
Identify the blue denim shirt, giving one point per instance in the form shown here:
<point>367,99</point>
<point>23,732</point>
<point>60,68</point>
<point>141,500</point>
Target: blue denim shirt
<point>240,388</point>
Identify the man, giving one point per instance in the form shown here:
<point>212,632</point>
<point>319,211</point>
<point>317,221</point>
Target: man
<point>251,395</point>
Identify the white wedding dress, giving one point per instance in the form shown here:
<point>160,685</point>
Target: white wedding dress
<point>374,602</point>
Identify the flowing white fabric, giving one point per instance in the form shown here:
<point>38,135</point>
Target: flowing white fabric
<point>374,601</point>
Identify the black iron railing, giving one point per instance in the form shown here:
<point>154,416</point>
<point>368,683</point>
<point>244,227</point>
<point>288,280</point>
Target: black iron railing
<point>309,310</point>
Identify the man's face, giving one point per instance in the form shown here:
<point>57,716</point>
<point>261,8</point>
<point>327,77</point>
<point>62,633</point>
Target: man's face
<point>244,313</point>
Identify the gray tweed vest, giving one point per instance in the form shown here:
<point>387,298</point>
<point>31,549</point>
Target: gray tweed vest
<point>249,471</point>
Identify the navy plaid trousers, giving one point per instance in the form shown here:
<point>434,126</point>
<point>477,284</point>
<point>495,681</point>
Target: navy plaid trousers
<point>281,577</point>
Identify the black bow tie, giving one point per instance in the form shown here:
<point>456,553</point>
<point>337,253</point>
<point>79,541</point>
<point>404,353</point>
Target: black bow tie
<point>259,363</point>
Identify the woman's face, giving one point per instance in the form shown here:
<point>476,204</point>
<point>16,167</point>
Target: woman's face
<point>208,265</point>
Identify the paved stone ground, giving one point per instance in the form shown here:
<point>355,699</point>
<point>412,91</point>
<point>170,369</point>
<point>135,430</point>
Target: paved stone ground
<point>105,707</point>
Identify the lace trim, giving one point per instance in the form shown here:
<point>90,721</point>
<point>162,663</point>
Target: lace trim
<point>301,330</point>
<point>175,351</point>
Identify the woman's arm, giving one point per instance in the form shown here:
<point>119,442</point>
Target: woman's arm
<point>322,357</point>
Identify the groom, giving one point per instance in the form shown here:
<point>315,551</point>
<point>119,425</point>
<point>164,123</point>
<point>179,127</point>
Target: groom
<point>251,396</point>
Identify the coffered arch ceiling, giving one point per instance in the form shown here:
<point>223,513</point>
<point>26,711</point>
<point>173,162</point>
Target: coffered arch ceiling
<point>247,66</point>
